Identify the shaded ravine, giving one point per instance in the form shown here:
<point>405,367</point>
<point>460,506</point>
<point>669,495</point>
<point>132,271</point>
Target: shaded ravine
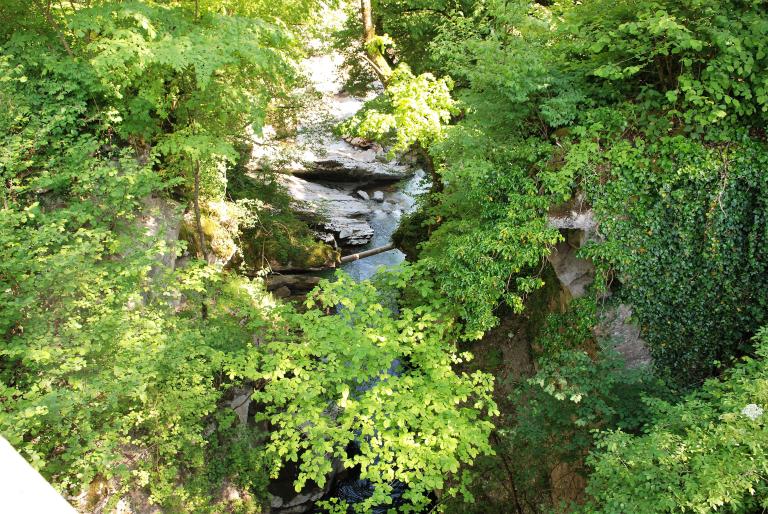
<point>363,195</point>
<point>348,486</point>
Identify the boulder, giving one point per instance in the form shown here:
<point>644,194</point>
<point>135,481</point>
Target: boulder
<point>344,215</point>
<point>241,403</point>
<point>378,196</point>
<point>365,144</point>
<point>292,282</point>
<point>325,238</point>
<point>574,273</point>
<point>342,169</point>
<point>323,157</point>
<point>362,194</point>
<point>282,292</point>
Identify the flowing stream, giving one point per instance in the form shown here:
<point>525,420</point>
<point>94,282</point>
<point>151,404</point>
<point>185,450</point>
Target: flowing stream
<point>364,196</point>
<point>399,199</point>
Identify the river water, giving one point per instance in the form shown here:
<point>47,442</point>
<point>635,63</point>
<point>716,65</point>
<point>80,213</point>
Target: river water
<point>381,203</point>
<point>399,199</point>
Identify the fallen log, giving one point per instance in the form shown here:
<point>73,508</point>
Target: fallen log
<point>367,253</point>
<point>306,280</point>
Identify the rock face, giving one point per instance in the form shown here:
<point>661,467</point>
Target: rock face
<point>344,162</point>
<point>578,226</point>
<point>316,153</point>
<point>219,221</point>
<point>162,218</point>
<point>574,273</point>
<point>575,215</point>
<point>339,161</point>
<point>282,292</point>
<point>617,326</point>
<point>567,483</point>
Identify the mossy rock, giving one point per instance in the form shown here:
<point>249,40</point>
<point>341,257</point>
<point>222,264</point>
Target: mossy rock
<point>296,251</point>
<point>219,230</point>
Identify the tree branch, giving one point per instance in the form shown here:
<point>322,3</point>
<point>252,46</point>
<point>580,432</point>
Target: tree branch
<point>46,10</point>
<point>196,202</point>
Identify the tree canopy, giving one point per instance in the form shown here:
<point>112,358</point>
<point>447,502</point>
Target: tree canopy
<point>125,341</point>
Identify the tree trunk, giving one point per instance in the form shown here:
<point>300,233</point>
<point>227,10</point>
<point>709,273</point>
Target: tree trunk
<point>369,32</point>
<point>373,54</point>
<point>196,202</point>
<point>46,10</point>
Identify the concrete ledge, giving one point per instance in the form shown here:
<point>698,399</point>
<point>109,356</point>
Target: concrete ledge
<point>23,490</point>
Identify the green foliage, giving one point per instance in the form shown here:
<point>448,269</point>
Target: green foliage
<point>655,112</point>
<point>612,98</point>
<point>412,111</point>
<point>700,61</point>
<point>110,370</point>
<point>173,87</point>
<point>414,24</point>
<point>493,229</point>
<point>583,375</point>
<point>409,27</point>
<point>204,76</point>
<point>487,226</point>
<point>579,385</point>
<point>114,369</point>
<point>98,368</point>
<point>548,419</point>
<point>384,382</point>
<point>688,246</point>
<point>703,454</point>
<point>275,236</point>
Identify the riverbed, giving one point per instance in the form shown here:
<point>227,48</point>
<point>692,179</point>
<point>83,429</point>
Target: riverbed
<point>361,195</point>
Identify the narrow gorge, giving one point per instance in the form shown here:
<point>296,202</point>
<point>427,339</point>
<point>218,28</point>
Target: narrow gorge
<point>374,256</point>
